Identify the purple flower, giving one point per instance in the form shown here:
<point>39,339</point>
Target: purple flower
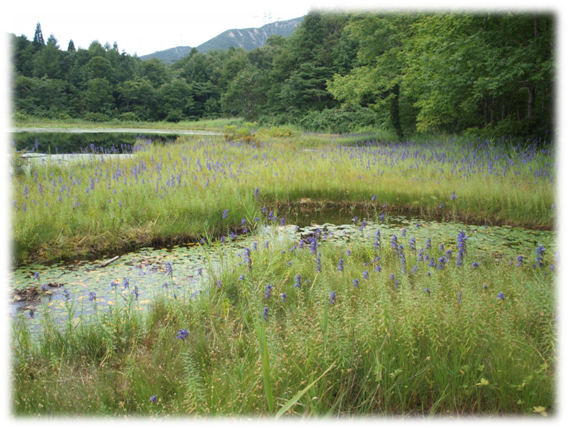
<point>461,248</point>
<point>265,313</point>
<point>354,219</point>
<point>168,268</point>
<point>484,286</point>
<point>92,296</point>
<point>501,295</point>
<point>44,287</point>
<point>378,239</point>
<point>256,193</point>
<point>283,297</point>
<point>247,258</point>
<point>412,244</point>
<point>382,218</point>
<point>153,399</point>
<point>36,276</point>
<point>356,283</point>
<point>427,290</point>
<point>298,280</point>
<point>453,197</point>
<point>318,263</point>
<point>242,277</point>
<point>200,271</point>
<point>403,232</point>
<point>366,275</point>
<point>225,213</point>
<point>539,252</point>
<point>267,291</point>
<point>391,277</point>
<point>282,221</point>
<point>519,260</point>
<point>474,265</point>
<point>332,297</point>
<point>373,198</point>
<point>182,334</point>
<point>218,283</point>
<point>340,265</point>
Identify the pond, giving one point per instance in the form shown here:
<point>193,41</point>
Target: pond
<point>183,270</point>
<point>57,141</point>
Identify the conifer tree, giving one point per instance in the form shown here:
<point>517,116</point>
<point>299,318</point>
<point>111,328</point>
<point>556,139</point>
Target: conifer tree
<point>38,36</point>
<point>71,46</point>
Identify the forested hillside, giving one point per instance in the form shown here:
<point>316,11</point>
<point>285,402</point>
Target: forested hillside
<point>435,72</point>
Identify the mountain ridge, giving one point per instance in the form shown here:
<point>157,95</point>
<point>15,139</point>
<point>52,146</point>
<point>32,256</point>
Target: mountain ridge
<point>247,38</point>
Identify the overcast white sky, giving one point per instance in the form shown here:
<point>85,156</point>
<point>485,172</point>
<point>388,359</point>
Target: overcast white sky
<point>146,27</point>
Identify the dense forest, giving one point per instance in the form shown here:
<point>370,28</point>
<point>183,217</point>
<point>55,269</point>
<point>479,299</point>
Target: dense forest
<point>484,74</point>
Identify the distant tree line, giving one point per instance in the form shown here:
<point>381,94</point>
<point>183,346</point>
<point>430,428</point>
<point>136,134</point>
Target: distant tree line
<point>442,72</point>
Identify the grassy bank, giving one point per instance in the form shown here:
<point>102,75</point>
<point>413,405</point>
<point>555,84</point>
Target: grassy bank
<point>206,124</point>
<point>379,326</point>
<point>180,191</point>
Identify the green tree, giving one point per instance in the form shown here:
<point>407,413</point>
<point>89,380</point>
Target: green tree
<point>175,100</point>
<point>138,97</point>
<point>98,97</point>
<point>99,67</point>
<point>156,71</point>
<point>246,93</point>
<point>23,54</point>
<point>38,37</point>
<point>47,62</point>
<point>377,81</point>
<point>477,70</point>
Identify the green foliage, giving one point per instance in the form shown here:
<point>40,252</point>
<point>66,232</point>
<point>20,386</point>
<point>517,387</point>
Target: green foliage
<point>484,74</point>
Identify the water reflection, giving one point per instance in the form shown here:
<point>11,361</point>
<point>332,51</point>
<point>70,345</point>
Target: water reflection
<point>67,142</point>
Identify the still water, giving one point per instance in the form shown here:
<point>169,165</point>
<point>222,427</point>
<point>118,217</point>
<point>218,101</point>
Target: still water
<point>184,270</point>
<point>56,141</point>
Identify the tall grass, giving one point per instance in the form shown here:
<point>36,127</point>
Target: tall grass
<point>178,191</point>
<point>401,340</point>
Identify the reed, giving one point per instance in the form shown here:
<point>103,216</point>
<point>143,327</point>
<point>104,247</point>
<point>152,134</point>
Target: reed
<point>178,192</point>
<point>421,332</point>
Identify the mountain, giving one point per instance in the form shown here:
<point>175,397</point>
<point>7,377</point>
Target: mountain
<point>247,38</point>
<point>250,38</point>
<point>169,56</point>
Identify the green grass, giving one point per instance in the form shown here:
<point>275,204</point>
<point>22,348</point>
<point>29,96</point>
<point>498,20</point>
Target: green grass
<point>205,124</point>
<point>177,192</point>
<point>381,349</point>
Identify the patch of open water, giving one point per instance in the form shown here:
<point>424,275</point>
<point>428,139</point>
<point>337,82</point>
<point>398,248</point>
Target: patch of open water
<point>140,275</point>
